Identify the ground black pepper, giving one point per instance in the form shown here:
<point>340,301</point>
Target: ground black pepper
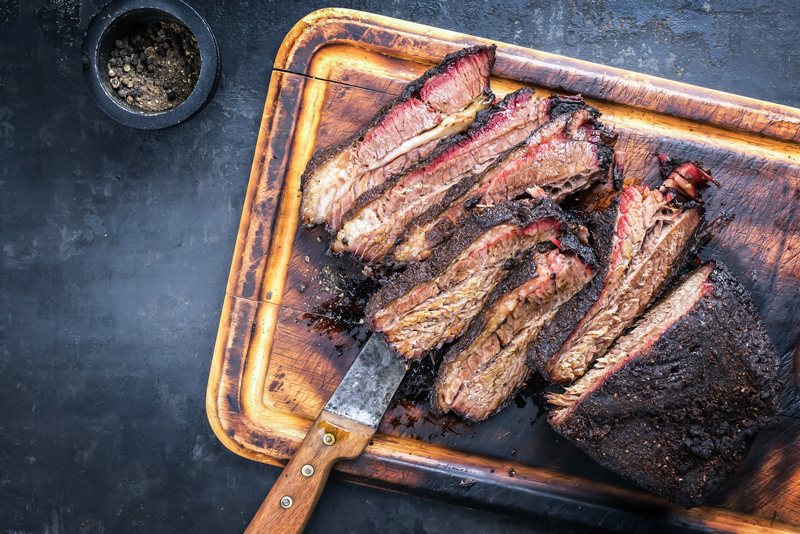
<point>155,66</point>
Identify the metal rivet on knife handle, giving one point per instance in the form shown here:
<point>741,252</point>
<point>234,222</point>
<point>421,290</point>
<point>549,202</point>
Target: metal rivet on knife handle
<point>307,470</point>
<point>286,501</point>
<point>328,439</point>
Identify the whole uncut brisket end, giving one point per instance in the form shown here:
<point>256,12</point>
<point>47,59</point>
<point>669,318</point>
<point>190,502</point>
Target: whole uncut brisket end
<point>371,226</point>
<point>650,239</point>
<point>442,102</point>
<point>563,156</point>
<point>482,372</point>
<point>675,404</point>
<point>432,303</point>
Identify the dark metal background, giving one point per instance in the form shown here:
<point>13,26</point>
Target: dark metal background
<point>116,245</point>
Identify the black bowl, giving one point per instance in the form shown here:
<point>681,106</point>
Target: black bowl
<point>116,19</point>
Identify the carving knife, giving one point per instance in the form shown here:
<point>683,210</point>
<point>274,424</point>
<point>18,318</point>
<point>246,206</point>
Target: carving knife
<point>342,431</point>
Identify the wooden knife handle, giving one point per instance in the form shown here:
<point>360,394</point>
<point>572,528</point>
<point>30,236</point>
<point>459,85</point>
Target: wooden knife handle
<point>289,505</point>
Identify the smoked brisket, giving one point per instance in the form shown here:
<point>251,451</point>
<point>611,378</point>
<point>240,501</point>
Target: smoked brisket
<point>641,240</point>
<point>675,403</point>
<point>433,302</point>
<point>563,156</point>
<point>442,102</point>
<point>371,226</point>
<point>483,371</point>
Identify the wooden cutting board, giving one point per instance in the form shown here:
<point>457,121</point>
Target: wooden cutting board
<point>290,322</point>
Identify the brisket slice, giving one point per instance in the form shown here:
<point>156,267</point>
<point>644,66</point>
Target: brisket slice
<point>371,227</point>
<point>443,101</point>
<point>433,302</point>
<point>685,178</point>
<point>483,371</point>
<point>563,156</point>
<point>646,243</point>
<point>675,403</point>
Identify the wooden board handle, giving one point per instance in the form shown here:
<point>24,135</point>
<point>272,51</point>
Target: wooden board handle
<point>292,499</point>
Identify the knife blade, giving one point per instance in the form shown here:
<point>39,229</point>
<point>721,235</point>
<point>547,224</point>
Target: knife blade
<point>342,430</point>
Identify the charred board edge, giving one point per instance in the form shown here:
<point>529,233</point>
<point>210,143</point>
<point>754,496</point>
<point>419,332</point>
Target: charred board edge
<point>378,33</point>
<point>436,472</point>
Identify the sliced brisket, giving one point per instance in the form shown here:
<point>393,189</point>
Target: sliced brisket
<point>675,403</point>
<point>443,101</point>
<point>371,227</point>
<point>642,240</point>
<point>483,371</point>
<point>433,302</point>
<point>563,156</point>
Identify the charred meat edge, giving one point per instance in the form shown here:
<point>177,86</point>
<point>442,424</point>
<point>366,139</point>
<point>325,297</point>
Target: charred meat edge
<point>552,277</point>
<point>437,223</point>
<point>310,214</point>
<point>682,394</point>
<point>647,226</point>
<point>368,236</point>
<point>601,228</point>
<point>685,178</point>
<point>649,328</point>
<point>518,214</point>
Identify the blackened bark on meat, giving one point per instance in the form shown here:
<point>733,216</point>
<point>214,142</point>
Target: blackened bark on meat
<point>605,155</point>
<point>562,156</point>
<point>680,415</point>
<point>555,333</point>
<point>617,170</point>
<point>322,157</point>
<point>562,104</point>
<point>481,120</point>
<point>519,213</point>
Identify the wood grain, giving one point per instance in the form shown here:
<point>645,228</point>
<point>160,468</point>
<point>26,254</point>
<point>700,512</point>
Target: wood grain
<point>292,499</point>
<point>290,323</point>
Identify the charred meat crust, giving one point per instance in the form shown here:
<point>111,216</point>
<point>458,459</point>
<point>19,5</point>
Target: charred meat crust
<point>524,270</point>
<point>617,170</point>
<point>562,105</point>
<point>605,155</point>
<point>481,119</point>
<point>685,178</point>
<point>322,156</point>
<point>520,213</point>
<point>552,339</point>
<point>556,332</point>
<point>701,392</point>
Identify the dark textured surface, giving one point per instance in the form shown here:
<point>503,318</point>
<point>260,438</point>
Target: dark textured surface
<point>703,397</point>
<point>553,335</point>
<point>519,213</point>
<point>116,245</point>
